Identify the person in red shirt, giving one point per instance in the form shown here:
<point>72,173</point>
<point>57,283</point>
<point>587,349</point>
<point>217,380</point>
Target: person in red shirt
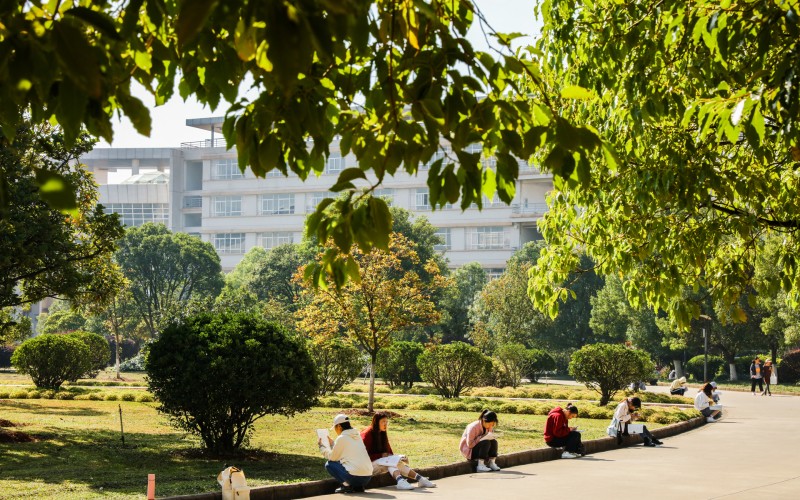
<point>376,441</point>
<point>558,433</point>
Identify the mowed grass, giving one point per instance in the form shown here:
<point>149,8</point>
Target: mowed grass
<point>79,455</point>
<point>105,378</point>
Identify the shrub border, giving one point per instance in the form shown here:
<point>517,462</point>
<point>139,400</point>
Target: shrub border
<point>327,486</point>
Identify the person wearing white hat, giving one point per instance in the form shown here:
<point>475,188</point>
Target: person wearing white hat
<point>348,460</point>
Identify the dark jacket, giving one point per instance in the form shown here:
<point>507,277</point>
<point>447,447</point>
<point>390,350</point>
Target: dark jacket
<point>557,425</point>
<point>753,373</point>
<point>766,372</point>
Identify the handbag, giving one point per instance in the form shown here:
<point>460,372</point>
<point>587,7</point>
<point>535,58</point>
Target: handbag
<point>613,429</point>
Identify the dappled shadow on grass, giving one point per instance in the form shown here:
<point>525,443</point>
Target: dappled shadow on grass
<point>53,410</point>
<point>98,460</point>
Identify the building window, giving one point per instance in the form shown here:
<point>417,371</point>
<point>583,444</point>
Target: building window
<point>386,194</point>
<point>271,240</point>
<point>495,202</point>
<point>276,204</point>
<point>444,234</point>
<point>227,206</point>
<point>314,199</point>
<point>422,199</point>
<point>488,238</point>
<point>136,214</point>
<point>494,273</point>
<point>439,155</point>
<point>335,163</point>
<point>226,169</point>
<point>229,243</point>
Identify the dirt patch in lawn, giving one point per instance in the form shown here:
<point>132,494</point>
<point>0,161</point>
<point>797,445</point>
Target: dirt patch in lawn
<point>7,436</point>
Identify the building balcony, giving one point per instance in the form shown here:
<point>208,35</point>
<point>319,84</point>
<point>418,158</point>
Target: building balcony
<point>208,143</point>
<point>528,209</point>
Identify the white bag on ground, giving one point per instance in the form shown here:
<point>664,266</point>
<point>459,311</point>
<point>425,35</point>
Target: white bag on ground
<point>234,484</point>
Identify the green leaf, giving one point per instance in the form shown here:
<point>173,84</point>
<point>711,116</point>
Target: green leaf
<point>382,222</point>
<point>191,19</point>
<point>433,109</point>
<point>136,112</point>
<point>71,109</point>
<point>576,92</point>
<point>99,20</point>
<point>57,191</point>
<point>77,58</point>
<point>757,122</point>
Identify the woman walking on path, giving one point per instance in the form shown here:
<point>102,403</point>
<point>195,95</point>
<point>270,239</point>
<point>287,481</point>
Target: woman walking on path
<point>558,433</point>
<point>377,443</point>
<point>766,372</point>
<point>480,443</point>
<point>755,376</point>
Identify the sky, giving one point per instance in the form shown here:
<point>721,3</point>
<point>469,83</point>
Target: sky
<point>169,120</point>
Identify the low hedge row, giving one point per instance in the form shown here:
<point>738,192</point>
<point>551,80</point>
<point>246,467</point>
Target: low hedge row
<point>663,415</point>
<point>141,397</point>
<point>563,392</point>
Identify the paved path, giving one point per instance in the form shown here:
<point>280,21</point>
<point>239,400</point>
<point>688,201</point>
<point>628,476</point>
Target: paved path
<point>753,451</point>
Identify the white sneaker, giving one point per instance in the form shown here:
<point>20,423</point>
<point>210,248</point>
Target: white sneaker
<point>710,420</point>
<point>425,482</point>
<point>493,465</point>
<point>402,484</point>
<point>482,468</point>
<point>567,454</point>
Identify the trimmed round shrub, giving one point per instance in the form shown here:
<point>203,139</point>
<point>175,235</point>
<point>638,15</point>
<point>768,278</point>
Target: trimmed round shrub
<point>397,364</point>
<point>337,362</point>
<point>608,368</point>
<point>18,394</point>
<point>789,368</point>
<point>65,395</point>
<point>127,396</point>
<point>214,375</point>
<point>98,352</point>
<point>144,398</point>
<point>694,367</point>
<point>110,397</point>
<point>51,359</point>
<point>453,368</point>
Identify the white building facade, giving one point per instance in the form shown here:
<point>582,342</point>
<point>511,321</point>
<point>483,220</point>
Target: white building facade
<point>198,189</point>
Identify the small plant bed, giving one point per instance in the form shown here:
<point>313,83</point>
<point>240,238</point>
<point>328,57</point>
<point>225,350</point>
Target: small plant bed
<point>77,452</point>
<point>76,393</point>
<point>529,391</point>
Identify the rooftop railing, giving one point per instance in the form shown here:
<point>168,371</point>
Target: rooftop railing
<point>208,143</point>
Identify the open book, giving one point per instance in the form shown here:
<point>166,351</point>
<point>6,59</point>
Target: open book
<point>488,435</point>
<point>323,435</point>
<point>390,461</point>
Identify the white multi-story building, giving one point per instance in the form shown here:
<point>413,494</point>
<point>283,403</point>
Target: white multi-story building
<point>198,188</point>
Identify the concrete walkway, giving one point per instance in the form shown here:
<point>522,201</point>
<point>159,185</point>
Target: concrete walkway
<point>753,451</point>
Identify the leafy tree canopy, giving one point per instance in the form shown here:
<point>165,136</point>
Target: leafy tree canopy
<point>699,102</point>
<point>43,252</point>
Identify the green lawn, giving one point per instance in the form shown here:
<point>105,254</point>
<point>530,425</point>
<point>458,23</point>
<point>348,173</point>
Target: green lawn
<point>78,453</point>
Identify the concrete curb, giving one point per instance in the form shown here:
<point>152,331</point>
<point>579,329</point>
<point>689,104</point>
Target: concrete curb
<point>327,486</point>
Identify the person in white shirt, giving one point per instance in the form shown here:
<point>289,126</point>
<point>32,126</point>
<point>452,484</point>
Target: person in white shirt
<point>624,414</point>
<point>702,403</point>
<point>348,460</point>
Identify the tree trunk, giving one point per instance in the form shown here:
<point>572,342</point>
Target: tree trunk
<point>678,368</point>
<point>117,349</point>
<point>734,376</point>
<point>372,362</point>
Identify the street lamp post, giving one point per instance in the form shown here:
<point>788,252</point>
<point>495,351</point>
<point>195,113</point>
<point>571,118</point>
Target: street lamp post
<point>705,359</point>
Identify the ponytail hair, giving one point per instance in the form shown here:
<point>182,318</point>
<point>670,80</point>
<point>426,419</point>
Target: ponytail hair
<point>571,408</point>
<point>488,416</point>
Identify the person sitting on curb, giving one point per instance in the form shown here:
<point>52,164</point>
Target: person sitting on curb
<point>348,460</point>
<point>480,443</point>
<point>376,441</point>
<point>714,392</point>
<point>558,433</point>
<point>702,403</point>
<point>678,387</point>
<point>625,414</point>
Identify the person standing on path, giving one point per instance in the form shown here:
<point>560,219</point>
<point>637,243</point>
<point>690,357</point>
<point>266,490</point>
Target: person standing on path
<point>625,414</point>
<point>755,376</point>
<point>558,433</point>
<point>376,441</point>
<point>480,443</point>
<point>766,373</point>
